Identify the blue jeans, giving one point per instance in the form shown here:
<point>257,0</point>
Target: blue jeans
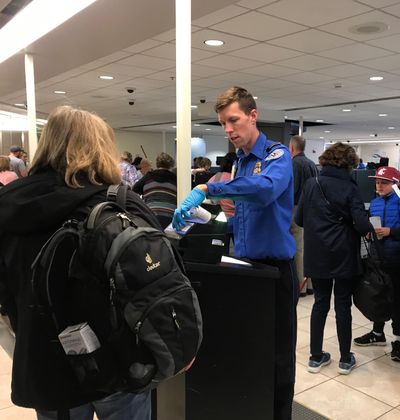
<point>343,289</point>
<point>118,406</point>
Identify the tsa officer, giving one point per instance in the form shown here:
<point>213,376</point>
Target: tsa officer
<point>262,189</point>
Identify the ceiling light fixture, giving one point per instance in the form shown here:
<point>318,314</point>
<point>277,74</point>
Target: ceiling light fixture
<point>368,28</point>
<point>106,77</point>
<point>23,105</point>
<point>214,42</point>
<point>60,92</point>
<point>391,128</point>
<point>208,129</point>
<point>372,135</point>
<point>193,106</point>
<point>326,131</point>
<point>255,97</point>
<point>346,110</point>
<point>382,115</point>
<point>322,138</point>
<point>319,121</point>
<point>376,78</point>
<point>34,21</point>
<point>197,125</point>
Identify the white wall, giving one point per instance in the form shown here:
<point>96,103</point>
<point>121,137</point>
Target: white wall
<point>314,149</point>
<point>153,143</point>
<point>216,146</point>
<point>389,150</point>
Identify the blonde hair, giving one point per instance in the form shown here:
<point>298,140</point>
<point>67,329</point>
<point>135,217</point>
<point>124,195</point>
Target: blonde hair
<point>75,141</point>
<point>4,163</point>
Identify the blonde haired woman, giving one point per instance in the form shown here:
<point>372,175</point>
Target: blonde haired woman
<point>6,174</point>
<point>75,162</point>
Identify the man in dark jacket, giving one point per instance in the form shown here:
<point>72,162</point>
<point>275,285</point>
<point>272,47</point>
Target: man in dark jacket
<point>303,168</point>
<point>332,214</point>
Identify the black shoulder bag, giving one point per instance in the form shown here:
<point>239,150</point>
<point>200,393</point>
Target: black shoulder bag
<point>373,294</point>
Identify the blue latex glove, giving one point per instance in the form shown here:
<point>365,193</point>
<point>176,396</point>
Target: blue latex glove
<point>193,199</point>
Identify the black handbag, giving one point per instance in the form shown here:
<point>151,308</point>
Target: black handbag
<point>373,293</point>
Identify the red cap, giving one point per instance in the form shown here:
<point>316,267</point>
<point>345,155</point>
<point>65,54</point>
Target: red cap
<point>388,173</point>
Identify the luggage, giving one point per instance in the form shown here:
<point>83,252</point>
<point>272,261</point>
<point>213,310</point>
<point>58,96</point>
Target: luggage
<point>373,294</point>
<point>114,287</point>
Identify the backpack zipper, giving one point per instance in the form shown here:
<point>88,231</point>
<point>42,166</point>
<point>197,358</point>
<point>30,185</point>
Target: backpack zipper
<point>139,323</point>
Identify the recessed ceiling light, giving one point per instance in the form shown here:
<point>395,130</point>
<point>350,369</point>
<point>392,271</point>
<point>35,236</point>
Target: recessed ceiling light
<point>193,106</point>
<point>208,129</point>
<point>346,110</point>
<point>326,131</point>
<point>321,138</point>
<point>255,97</point>
<point>390,128</point>
<point>319,120</point>
<point>285,117</point>
<point>214,42</point>
<point>61,92</point>
<point>174,126</point>
<point>20,105</point>
<point>106,77</point>
<point>376,78</point>
<point>382,115</point>
<point>368,28</point>
<point>372,135</point>
<point>197,125</point>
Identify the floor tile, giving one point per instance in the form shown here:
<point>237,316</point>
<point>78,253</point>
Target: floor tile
<point>377,380</point>
<point>17,413</point>
<point>5,391</point>
<point>303,339</point>
<point>339,402</point>
<point>5,362</point>
<point>305,380</point>
<point>391,415</point>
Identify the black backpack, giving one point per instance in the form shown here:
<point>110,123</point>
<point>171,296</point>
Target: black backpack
<point>120,277</point>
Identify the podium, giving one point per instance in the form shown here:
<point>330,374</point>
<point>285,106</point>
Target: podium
<point>233,375</point>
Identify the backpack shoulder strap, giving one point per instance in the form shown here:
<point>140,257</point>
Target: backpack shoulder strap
<point>117,194</point>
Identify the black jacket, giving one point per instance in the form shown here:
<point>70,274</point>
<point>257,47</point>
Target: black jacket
<point>31,209</point>
<point>303,168</point>
<point>332,233</point>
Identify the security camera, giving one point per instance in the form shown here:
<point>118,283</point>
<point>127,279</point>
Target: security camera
<point>202,101</point>
<point>131,102</point>
<point>375,135</point>
<point>130,89</point>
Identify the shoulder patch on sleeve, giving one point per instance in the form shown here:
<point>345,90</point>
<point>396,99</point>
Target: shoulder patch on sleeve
<point>276,154</point>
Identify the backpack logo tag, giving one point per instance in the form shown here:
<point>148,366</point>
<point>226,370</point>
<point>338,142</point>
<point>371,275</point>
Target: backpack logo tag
<point>149,261</point>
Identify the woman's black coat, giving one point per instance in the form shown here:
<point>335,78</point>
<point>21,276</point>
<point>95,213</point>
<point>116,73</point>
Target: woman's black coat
<point>332,232</point>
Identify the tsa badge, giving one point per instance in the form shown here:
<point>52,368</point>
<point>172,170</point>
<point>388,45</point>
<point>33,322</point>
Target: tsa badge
<point>257,168</point>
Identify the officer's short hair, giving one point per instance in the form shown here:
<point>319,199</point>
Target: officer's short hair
<point>299,143</point>
<point>339,155</point>
<point>236,94</point>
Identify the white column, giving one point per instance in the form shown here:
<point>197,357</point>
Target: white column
<point>31,103</point>
<point>301,125</point>
<point>183,96</point>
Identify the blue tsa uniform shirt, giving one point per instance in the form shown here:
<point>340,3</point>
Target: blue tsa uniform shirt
<point>263,194</point>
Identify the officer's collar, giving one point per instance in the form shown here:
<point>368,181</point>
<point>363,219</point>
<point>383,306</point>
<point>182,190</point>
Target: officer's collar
<point>258,148</point>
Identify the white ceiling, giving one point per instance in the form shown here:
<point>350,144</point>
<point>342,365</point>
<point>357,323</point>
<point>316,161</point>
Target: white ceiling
<point>289,53</point>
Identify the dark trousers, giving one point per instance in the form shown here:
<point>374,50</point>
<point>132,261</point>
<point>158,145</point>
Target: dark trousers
<point>286,297</point>
<point>394,274</point>
<point>342,289</point>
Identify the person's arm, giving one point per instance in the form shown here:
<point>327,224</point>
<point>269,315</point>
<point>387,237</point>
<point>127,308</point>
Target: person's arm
<point>138,185</point>
<point>358,213</point>
<point>263,188</point>
<point>297,178</point>
<point>298,218</point>
<point>22,169</point>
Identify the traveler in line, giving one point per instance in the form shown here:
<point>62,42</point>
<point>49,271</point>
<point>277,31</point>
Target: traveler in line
<point>387,207</point>
<point>332,214</point>
<point>303,168</point>
<point>263,193</point>
<point>75,162</point>
<point>17,164</point>
<point>158,189</point>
